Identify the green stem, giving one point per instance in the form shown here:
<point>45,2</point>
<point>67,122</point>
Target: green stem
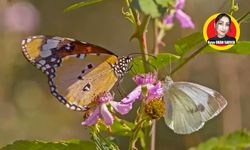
<point>156,45</point>
<point>142,38</point>
<point>139,125</point>
<point>140,34</point>
<point>242,18</point>
<point>153,135</point>
<point>158,35</point>
<point>188,59</point>
<point>147,137</point>
<point>135,134</point>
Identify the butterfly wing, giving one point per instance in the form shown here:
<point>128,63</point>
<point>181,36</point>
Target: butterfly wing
<point>190,105</point>
<point>71,65</point>
<point>79,82</point>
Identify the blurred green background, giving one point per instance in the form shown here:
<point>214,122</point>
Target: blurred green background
<point>29,111</point>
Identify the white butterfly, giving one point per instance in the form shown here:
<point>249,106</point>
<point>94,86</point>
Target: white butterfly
<point>189,105</point>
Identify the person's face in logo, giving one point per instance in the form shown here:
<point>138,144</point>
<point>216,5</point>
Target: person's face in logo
<point>222,26</point>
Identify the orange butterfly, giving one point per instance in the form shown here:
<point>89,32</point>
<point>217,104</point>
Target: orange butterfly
<point>77,71</point>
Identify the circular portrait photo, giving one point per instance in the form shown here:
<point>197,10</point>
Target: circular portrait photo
<point>221,31</point>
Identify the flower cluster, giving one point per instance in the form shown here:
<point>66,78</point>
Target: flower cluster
<point>149,82</point>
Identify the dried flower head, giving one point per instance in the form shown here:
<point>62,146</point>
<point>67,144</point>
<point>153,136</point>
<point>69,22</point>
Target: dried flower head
<point>155,108</point>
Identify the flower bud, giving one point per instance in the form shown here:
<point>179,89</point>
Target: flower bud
<point>235,7</point>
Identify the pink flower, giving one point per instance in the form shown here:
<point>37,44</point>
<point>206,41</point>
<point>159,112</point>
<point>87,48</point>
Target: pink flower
<point>147,81</point>
<point>102,111</point>
<point>21,17</point>
<point>184,19</point>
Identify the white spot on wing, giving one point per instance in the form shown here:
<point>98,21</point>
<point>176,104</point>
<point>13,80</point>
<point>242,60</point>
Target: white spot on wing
<point>52,88</point>
<point>82,56</point>
<point>42,62</point>
<point>57,38</point>
<point>67,105</point>
<point>78,109</point>
<point>50,83</point>
<point>70,39</point>
<point>38,66</point>
<point>73,107</point>
<point>53,59</point>
<point>54,93</point>
<point>28,40</point>
<point>23,42</point>
<point>43,68</point>
<point>47,66</point>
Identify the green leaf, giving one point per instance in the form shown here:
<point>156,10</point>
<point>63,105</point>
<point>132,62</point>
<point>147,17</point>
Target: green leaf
<point>126,128</point>
<point>149,7</point>
<point>101,142</point>
<point>81,4</point>
<point>237,140</point>
<point>157,62</point>
<point>165,3</point>
<point>122,127</point>
<point>242,47</point>
<point>208,145</point>
<point>41,145</point>
<point>186,44</point>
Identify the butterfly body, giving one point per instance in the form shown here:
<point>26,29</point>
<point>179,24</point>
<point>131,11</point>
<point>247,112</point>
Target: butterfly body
<point>77,71</point>
<point>190,105</point>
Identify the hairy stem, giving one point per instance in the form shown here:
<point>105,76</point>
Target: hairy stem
<point>158,35</point>
<point>156,32</point>
<point>140,35</point>
<point>142,38</point>
<point>134,136</point>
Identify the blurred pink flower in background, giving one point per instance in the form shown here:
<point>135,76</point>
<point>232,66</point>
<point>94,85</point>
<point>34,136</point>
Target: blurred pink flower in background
<point>20,17</point>
<point>184,19</point>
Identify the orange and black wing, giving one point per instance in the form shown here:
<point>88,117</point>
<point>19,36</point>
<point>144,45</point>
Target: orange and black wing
<point>77,71</point>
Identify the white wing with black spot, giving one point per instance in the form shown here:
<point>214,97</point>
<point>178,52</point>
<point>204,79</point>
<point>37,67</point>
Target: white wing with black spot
<point>189,106</point>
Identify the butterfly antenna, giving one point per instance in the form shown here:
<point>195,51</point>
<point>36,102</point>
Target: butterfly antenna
<point>132,70</point>
<point>151,66</point>
<point>132,54</point>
